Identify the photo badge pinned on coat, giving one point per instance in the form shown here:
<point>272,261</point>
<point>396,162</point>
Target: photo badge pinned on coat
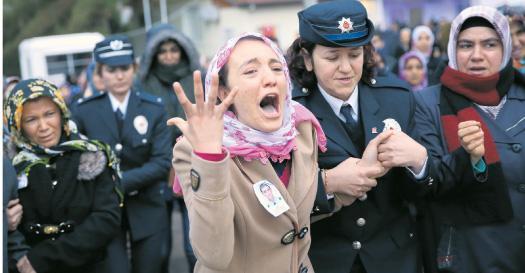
<point>270,198</point>
<point>141,124</point>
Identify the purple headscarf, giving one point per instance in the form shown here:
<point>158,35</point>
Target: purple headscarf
<point>403,62</point>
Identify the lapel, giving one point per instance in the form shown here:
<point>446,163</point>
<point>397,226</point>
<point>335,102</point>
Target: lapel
<point>330,123</point>
<point>302,169</point>
<point>368,110</point>
<point>255,171</point>
<point>495,126</point>
<point>107,116</point>
<point>511,119</point>
<point>131,112</point>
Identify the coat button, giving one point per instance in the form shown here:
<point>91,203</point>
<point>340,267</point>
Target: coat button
<point>288,237</point>
<point>304,90</point>
<point>144,141</point>
<point>195,180</point>
<point>118,147</point>
<point>516,147</point>
<point>356,245</point>
<point>360,222</point>
<point>303,232</point>
<point>521,188</point>
<point>373,81</point>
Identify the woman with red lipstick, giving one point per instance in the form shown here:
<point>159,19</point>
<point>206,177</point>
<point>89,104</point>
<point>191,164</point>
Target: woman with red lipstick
<point>473,125</point>
<point>256,136</point>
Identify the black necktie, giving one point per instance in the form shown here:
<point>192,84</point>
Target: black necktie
<point>120,120</point>
<point>346,111</point>
<point>353,128</point>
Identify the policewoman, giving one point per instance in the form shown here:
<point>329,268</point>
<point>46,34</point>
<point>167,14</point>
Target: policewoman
<point>257,138</point>
<point>134,124</point>
<point>68,185</point>
<point>331,64</point>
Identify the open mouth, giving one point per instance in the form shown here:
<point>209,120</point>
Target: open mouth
<point>477,69</point>
<point>270,105</point>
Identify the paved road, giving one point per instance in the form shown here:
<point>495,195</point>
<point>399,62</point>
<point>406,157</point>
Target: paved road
<point>178,263</point>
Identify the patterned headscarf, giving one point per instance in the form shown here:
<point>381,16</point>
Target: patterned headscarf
<point>241,140</point>
<point>498,20</point>
<point>31,153</point>
<point>403,62</point>
<point>415,36</point>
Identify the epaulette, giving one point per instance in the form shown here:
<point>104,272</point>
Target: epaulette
<point>386,82</point>
<point>90,98</point>
<point>149,98</point>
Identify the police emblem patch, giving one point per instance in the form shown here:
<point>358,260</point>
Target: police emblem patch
<point>346,25</point>
<point>116,45</point>
<point>141,124</point>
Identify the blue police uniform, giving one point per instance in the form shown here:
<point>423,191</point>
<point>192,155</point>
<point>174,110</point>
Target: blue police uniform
<point>378,234</point>
<point>143,145</point>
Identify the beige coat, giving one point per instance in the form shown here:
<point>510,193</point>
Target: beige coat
<point>230,231</point>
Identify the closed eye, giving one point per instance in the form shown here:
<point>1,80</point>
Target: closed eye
<point>249,72</point>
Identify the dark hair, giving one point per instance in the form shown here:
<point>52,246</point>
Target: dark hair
<point>307,79</point>
<point>223,72</point>
<point>183,55</point>
<point>98,67</point>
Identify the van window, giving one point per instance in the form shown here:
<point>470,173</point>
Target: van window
<point>67,64</point>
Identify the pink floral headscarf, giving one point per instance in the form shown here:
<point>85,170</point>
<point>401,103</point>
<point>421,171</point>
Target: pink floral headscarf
<point>249,143</point>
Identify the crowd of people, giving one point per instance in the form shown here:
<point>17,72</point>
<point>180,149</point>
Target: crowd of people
<point>352,151</point>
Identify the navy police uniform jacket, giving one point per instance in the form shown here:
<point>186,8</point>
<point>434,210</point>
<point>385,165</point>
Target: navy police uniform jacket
<point>144,151</point>
<point>380,230</point>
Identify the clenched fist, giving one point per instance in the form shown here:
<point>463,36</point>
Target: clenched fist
<point>472,139</point>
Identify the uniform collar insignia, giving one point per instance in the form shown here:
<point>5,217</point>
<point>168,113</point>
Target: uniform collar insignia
<point>345,25</point>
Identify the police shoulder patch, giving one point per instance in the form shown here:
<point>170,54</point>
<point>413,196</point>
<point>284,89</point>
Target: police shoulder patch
<point>388,82</point>
<point>149,98</point>
<point>91,98</point>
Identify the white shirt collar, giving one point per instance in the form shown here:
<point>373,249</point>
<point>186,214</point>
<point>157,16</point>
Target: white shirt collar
<point>336,103</point>
<point>115,104</point>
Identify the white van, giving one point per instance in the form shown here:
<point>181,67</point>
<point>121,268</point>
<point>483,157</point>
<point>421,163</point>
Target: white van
<point>54,57</point>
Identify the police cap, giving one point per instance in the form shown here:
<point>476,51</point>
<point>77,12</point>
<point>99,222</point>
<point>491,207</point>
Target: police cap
<point>115,50</point>
<point>340,23</point>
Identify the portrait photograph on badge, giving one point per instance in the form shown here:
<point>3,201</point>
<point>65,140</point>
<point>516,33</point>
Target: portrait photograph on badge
<point>270,198</point>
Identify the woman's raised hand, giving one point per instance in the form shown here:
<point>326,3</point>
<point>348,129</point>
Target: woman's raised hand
<point>203,126</point>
